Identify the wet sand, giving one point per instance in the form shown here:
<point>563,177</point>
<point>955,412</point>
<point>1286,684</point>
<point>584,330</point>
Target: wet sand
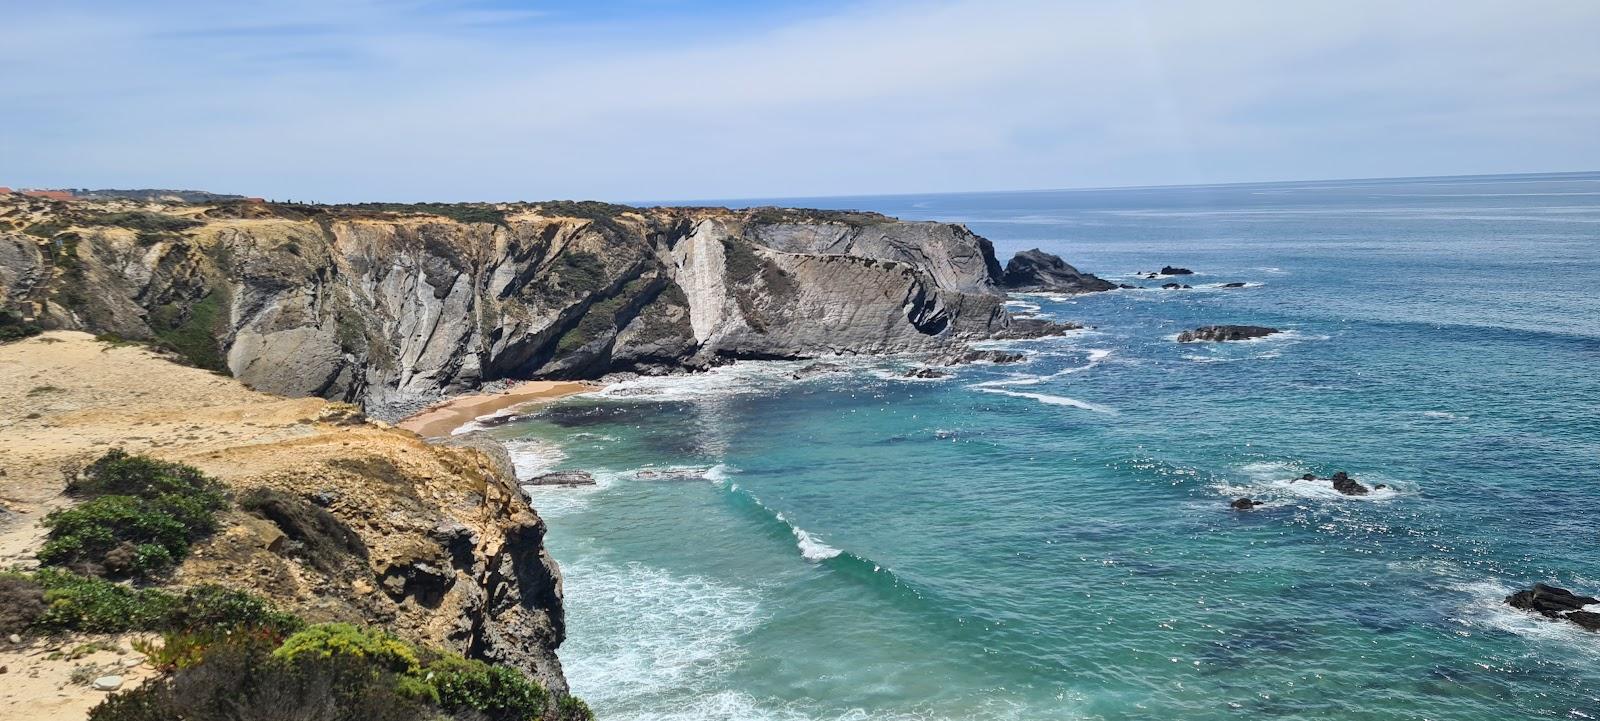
<point>439,420</point>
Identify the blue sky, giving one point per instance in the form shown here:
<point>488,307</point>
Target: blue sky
<point>678,99</point>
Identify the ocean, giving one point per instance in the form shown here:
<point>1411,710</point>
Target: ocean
<point>1052,539</point>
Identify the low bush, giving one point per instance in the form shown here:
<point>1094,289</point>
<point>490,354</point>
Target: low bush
<point>242,681</point>
<point>498,692</point>
<point>143,221</point>
<point>81,603</point>
<point>327,640</point>
<point>141,517</point>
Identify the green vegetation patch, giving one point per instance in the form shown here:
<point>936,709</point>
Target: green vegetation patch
<point>193,332</point>
<point>53,600</point>
<point>581,272</point>
<point>13,327</point>
<point>332,671</point>
<point>459,212</point>
<point>143,222</point>
<point>139,518</point>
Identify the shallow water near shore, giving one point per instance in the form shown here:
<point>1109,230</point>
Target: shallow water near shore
<point>1052,540</point>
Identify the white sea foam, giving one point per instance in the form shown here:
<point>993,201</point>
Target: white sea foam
<point>1485,608</point>
<point>682,632</point>
<point>533,457</point>
<point>733,379</point>
<point>1278,483</point>
<point>1053,400</point>
<point>1446,415</point>
<point>811,548</point>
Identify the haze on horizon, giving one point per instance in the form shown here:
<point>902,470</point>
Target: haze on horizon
<point>683,99</point>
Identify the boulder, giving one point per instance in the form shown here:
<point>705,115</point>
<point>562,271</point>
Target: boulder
<point>1170,270</point>
<point>562,478</point>
<point>1223,333</point>
<point>1233,285</point>
<point>1126,286</point>
<point>1171,286</point>
<point>925,372</point>
<point>1245,504</point>
<point>108,683</point>
<point>1036,270</point>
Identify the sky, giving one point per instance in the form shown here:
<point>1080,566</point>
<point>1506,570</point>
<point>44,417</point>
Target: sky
<point>410,100</point>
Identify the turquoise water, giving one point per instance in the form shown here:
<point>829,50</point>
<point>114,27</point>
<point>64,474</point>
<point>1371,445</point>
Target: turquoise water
<point>1052,540</point>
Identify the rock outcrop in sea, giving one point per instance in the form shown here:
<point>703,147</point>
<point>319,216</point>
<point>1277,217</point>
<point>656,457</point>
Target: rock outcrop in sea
<point>1036,270</point>
<point>1224,333</point>
<point>394,306</point>
<point>1557,603</point>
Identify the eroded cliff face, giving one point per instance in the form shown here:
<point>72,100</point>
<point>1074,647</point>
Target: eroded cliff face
<point>391,307</point>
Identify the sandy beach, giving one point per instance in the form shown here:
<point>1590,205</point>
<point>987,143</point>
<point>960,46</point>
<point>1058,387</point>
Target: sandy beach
<point>439,420</point>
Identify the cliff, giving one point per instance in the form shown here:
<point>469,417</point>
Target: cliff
<point>393,306</point>
<point>333,517</point>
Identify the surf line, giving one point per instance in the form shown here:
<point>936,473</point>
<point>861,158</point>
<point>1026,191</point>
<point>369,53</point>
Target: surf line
<point>1001,387</point>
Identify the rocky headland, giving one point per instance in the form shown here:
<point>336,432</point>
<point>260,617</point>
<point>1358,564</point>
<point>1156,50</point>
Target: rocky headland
<point>394,307</point>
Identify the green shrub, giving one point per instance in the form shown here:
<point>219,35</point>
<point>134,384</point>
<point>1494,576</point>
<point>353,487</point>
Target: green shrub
<point>499,692</point>
<point>241,680</point>
<point>118,473</point>
<point>81,603</point>
<point>93,605</point>
<point>377,648</point>
<point>141,516</point>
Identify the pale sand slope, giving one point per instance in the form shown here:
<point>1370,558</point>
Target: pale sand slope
<point>66,398</point>
<point>439,420</point>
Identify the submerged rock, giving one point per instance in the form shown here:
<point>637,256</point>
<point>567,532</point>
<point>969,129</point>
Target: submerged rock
<point>1223,333</point>
<point>562,478</point>
<point>1126,286</point>
<point>1245,504</point>
<point>1233,285</point>
<point>1171,270</point>
<point>1556,603</point>
<point>1036,270</point>
<point>816,369</point>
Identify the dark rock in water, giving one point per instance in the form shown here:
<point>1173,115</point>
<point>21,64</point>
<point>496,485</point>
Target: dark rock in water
<point>1169,270</point>
<point>1222,333</point>
<point>1125,286</point>
<point>1151,276</point>
<point>970,355</point>
<point>1035,328</point>
<point>1308,477</point>
<point>1587,619</point>
<point>816,369</point>
<point>1036,270</point>
<point>1233,285</point>
<point>1171,286</point>
<point>562,478</point>
<point>1343,483</point>
<point>1380,487</point>
<point>1557,603</point>
<point>926,373</point>
<point>1245,504</point>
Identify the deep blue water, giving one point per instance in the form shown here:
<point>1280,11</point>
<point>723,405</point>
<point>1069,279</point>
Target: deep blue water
<point>1052,540</point>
